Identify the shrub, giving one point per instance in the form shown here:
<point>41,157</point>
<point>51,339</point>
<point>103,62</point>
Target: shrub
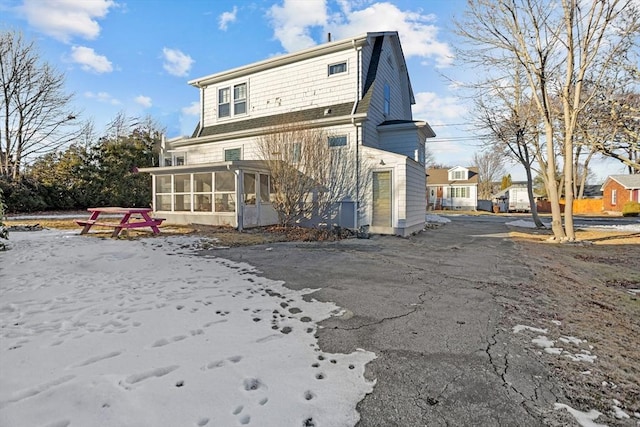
<point>23,195</point>
<point>631,209</point>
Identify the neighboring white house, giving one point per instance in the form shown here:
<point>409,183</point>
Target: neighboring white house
<point>357,90</point>
<point>455,188</point>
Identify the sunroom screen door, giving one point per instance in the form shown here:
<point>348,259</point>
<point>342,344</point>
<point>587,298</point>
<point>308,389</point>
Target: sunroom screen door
<point>381,215</point>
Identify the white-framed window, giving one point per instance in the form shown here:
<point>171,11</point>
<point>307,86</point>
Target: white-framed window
<point>249,187</point>
<point>182,192</point>
<point>614,197</point>
<point>460,192</point>
<point>175,159</point>
<point>340,67</point>
<point>198,192</point>
<point>231,154</point>
<point>337,141</point>
<point>225,191</point>
<point>202,192</point>
<point>387,99</point>
<point>265,188</point>
<point>235,95</point>
<point>224,99</point>
<point>240,99</point>
<point>458,175</point>
<point>163,192</point>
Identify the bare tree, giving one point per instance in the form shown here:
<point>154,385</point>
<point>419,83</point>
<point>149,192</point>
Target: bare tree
<point>308,176</point>
<point>512,124</point>
<point>490,164</point>
<point>556,47</point>
<point>429,157</point>
<point>35,113</point>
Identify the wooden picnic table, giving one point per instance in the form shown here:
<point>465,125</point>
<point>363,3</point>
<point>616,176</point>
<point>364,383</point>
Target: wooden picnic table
<point>140,215</point>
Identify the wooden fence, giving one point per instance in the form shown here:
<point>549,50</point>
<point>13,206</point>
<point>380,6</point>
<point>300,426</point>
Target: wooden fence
<point>580,206</point>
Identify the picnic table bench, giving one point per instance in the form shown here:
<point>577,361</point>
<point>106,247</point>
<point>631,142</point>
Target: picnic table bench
<point>140,215</point>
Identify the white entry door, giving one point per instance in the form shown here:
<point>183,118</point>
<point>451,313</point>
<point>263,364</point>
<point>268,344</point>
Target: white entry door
<point>250,206</point>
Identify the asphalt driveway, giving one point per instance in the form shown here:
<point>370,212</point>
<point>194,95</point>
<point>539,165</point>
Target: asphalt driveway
<point>432,309</point>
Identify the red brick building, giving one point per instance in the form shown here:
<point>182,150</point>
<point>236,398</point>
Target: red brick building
<point>618,190</point>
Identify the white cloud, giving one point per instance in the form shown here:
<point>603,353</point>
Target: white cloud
<point>192,110</point>
<point>90,60</point>
<point>176,63</point>
<point>102,97</point>
<point>145,101</point>
<point>64,19</point>
<point>438,110</point>
<point>293,20</point>
<point>226,18</point>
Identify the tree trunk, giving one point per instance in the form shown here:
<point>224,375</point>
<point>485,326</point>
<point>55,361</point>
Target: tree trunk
<point>532,202</point>
<point>552,188</point>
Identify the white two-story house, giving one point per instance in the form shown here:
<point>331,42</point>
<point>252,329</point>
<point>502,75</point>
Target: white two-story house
<point>357,90</point>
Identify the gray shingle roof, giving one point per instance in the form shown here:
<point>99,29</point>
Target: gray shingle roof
<point>627,181</point>
<point>372,72</point>
<point>301,116</point>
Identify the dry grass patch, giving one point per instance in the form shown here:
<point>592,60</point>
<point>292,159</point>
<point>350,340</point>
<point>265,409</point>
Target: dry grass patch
<point>597,237</point>
<point>588,288</point>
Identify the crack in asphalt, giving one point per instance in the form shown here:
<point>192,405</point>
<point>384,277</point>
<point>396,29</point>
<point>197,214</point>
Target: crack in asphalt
<point>502,374</point>
<point>417,306</point>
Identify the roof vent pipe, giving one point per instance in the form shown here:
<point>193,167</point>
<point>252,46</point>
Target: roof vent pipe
<point>328,37</point>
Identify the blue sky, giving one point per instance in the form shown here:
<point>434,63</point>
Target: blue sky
<point>136,56</point>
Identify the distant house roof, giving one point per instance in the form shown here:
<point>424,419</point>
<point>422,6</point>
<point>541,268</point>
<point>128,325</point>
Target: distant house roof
<point>629,182</point>
<point>441,177</point>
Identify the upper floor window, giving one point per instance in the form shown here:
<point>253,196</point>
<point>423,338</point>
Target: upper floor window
<point>338,68</point>
<point>175,159</point>
<point>614,197</point>
<point>237,97</point>
<point>240,99</point>
<point>232,154</point>
<point>387,99</point>
<point>457,175</point>
<point>223,102</point>
<point>338,141</point>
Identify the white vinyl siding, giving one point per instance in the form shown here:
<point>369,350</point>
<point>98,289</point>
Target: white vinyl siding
<point>338,68</point>
<point>232,154</point>
<point>416,203</point>
<point>338,141</point>
<point>400,105</point>
<point>290,87</point>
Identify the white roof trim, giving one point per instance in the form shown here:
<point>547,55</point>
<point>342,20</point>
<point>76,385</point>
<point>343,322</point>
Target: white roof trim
<point>319,50</point>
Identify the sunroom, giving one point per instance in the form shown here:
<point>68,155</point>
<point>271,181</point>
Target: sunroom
<point>231,193</point>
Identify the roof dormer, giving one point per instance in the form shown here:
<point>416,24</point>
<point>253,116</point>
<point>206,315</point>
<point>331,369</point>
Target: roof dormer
<point>458,173</point>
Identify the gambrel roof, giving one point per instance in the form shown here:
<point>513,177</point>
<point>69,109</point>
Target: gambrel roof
<point>317,115</point>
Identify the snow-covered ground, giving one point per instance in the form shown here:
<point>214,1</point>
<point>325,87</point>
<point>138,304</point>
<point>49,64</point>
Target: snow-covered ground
<point>140,333</point>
